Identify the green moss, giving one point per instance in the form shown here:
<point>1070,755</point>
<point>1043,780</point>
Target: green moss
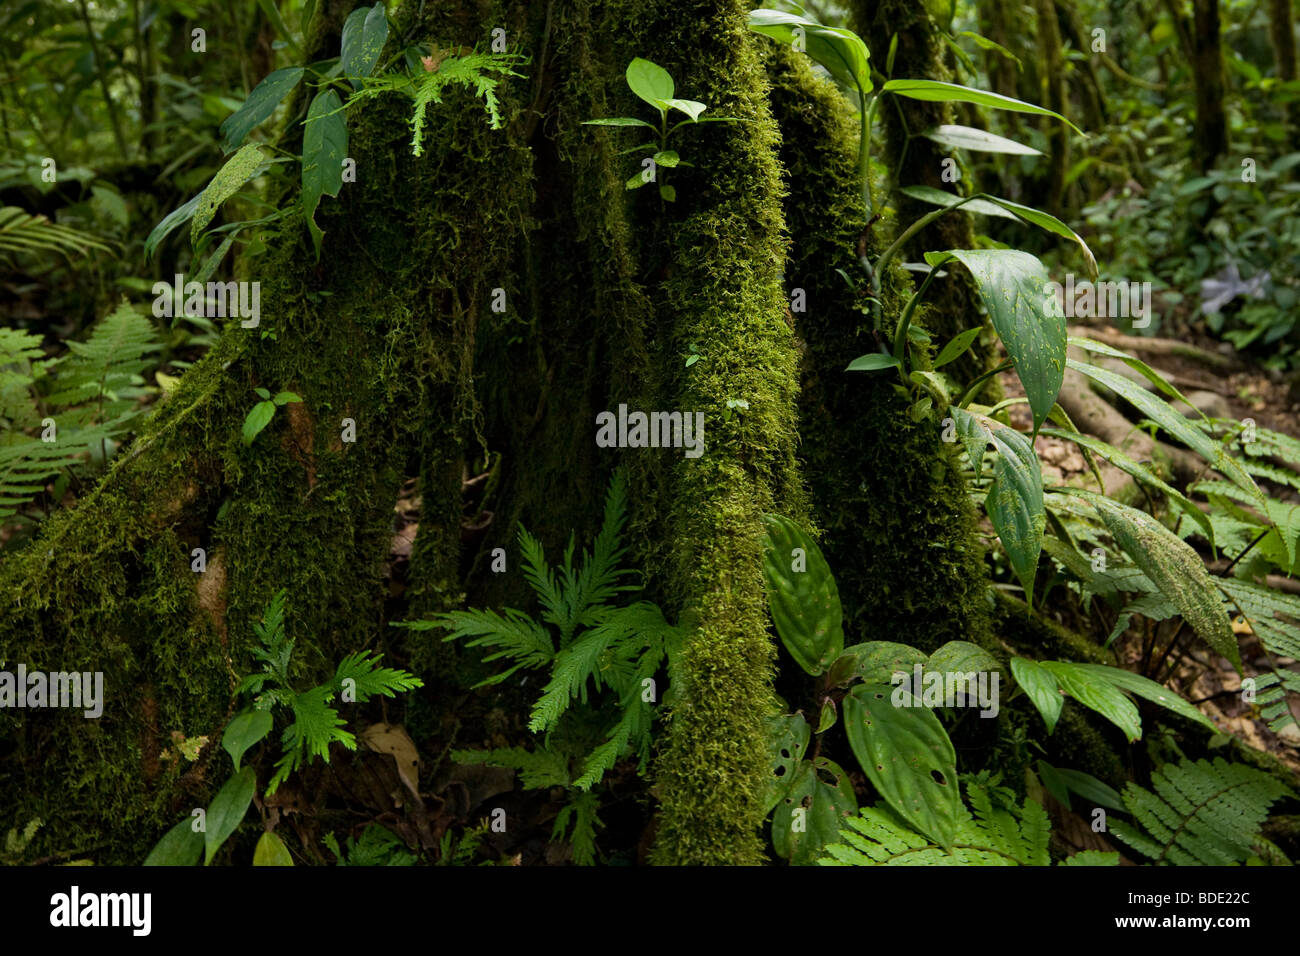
<point>899,530</point>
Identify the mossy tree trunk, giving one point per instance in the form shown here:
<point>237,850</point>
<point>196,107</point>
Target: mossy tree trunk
<point>606,290</point>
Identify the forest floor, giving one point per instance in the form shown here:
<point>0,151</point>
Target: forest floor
<point>1223,384</point>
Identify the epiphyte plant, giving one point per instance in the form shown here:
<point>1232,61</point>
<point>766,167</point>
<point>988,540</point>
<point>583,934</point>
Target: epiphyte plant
<point>653,84</point>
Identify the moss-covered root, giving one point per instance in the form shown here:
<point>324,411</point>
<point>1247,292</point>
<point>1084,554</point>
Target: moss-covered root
<point>711,263</point>
<point>899,527</point>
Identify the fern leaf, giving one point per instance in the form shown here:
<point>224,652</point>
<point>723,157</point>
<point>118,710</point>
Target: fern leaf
<point>582,811</point>
<point>537,769</point>
<point>23,233</point>
<point>108,367</point>
<point>516,635</point>
<point>1202,813</point>
<point>369,679</point>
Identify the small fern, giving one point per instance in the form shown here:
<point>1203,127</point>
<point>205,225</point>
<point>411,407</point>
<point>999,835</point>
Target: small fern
<point>315,723</point>
<point>589,647</point>
<point>79,402</point>
<point>1202,813</point>
<point>474,70</point>
<point>998,833</point>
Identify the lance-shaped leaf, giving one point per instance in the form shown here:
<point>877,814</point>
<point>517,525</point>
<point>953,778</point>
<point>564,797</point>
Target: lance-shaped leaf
<point>1173,422</point>
<point>1098,694</point>
<point>907,756</point>
<point>936,91</point>
<point>1015,499</point>
<point>1040,687</point>
<point>840,51</point>
<point>1174,568</point>
<point>802,594</point>
<point>227,810</point>
<point>239,169</point>
<point>261,103</point>
<point>324,146</point>
<point>979,140</point>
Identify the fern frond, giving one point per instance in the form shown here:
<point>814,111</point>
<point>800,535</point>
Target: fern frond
<point>582,811</point>
<point>996,835</point>
<point>108,366</point>
<point>480,72</point>
<point>315,726</point>
<point>516,634</point>
<point>537,769</point>
<point>23,233</point>
<point>26,466</point>
<point>541,579</point>
<point>370,679</point>
<point>1202,813</point>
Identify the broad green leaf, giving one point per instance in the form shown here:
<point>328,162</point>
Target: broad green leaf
<point>259,105</point>
<point>179,846</point>
<point>618,121</point>
<point>1040,687</point>
<point>872,362</point>
<point>876,662</point>
<point>651,82</point>
<point>180,214</point>
<point>961,657</point>
<point>691,108</point>
<point>227,810</point>
<point>956,347</point>
<point>1174,423</point>
<point>666,158</point>
<point>967,137</point>
<point>1138,470</point>
<point>284,398</point>
<point>239,169</point>
<point>1149,690</point>
<point>258,418</point>
<point>787,742</point>
<point>264,393</point>
<point>935,91</point>
<point>1174,568</point>
<point>1015,498</point>
<point>907,756</point>
<point>1013,286</point>
<point>821,790</point>
<point>243,731</point>
<point>1099,695</point>
<point>667,193</point>
<point>271,851</point>
<point>364,34</point>
<point>802,595</point>
<point>324,147</point>
<point>840,51</point>
<point>638,179</point>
